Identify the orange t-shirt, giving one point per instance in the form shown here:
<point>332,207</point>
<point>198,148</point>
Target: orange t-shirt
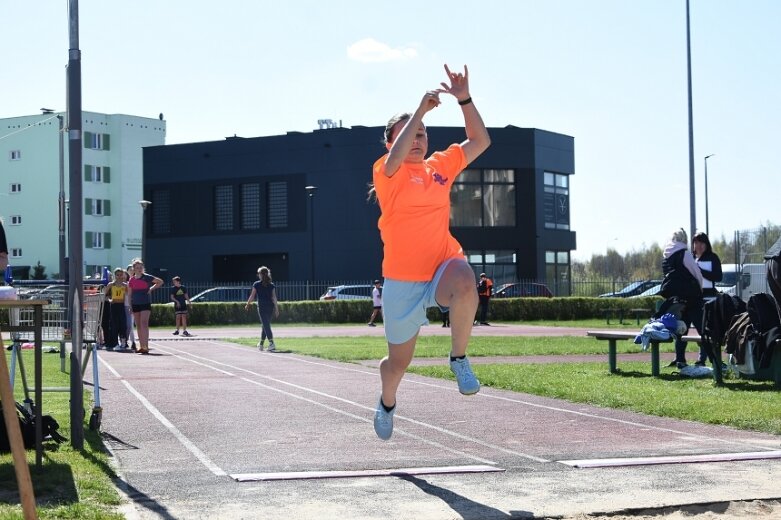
<point>415,220</point>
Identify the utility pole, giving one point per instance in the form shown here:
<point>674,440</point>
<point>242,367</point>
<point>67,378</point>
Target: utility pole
<point>75,237</point>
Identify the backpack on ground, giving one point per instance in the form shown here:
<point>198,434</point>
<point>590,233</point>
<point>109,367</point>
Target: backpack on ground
<point>718,314</point>
<point>761,308</point>
<point>49,428</point>
<point>762,311</point>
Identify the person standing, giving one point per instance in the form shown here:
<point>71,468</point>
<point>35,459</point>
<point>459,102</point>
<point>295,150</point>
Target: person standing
<point>423,264</point>
<point>710,267</point>
<point>3,250</point>
<point>773,264</point>
<point>265,292</point>
<point>140,287</point>
<point>682,280</point>
<point>131,334</point>
<point>485,289</point>
<point>116,292</point>
<point>181,301</point>
<point>376,302</point>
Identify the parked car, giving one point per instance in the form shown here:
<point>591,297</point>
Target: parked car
<point>633,289</point>
<point>348,292</point>
<point>522,290</point>
<point>222,294</point>
<point>651,291</point>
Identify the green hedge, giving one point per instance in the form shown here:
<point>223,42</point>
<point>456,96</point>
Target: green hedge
<point>358,311</point>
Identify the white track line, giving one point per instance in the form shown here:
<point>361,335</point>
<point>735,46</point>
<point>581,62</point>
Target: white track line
<point>674,459</point>
<point>487,395</point>
<point>301,475</point>
<point>187,355</point>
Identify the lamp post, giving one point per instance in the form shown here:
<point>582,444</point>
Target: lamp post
<point>692,204</point>
<point>144,204</point>
<point>707,231</point>
<point>310,191</point>
<point>61,197</point>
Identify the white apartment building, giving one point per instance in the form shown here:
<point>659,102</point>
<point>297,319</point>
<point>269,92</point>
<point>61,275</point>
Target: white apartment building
<point>112,176</point>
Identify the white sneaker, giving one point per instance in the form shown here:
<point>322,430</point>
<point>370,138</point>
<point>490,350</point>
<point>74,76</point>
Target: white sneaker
<point>260,346</point>
<point>272,347</point>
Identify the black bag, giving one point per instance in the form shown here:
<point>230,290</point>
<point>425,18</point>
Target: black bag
<point>761,308</point>
<point>27,425</point>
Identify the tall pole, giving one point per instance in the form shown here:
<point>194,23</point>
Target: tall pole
<point>692,204</point>
<point>75,268</point>
<point>310,190</point>
<point>144,204</point>
<point>707,229</point>
<point>61,198</point>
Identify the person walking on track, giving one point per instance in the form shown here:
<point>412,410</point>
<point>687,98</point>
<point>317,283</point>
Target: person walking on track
<point>265,292</point>
<point>423,265</point>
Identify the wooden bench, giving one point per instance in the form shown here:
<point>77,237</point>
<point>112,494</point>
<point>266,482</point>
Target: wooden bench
<point>772,373</point>
<point>612,337</point>
<point>621,314</point>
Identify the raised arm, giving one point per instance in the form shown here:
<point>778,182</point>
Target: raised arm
<point>477,138</point>
<point>413,130</point>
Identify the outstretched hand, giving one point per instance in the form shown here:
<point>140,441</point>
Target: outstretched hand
<point>459,83</point>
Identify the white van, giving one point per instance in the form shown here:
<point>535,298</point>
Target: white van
<point>752,279</point>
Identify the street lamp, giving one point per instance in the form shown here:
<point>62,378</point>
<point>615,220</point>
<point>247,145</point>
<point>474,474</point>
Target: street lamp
<point>310,191</point>
<point>144,204</point>
<point>61,197</point>
<point>692,204</point>
<point>707,232</point>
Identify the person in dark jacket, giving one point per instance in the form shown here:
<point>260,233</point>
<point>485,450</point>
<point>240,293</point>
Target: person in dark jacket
<point>682,280</point>
<point>773,263</point>
<point>3,249</point>
<point>710,267</point>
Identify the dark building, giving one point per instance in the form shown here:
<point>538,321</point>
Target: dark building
<point>220,209</point>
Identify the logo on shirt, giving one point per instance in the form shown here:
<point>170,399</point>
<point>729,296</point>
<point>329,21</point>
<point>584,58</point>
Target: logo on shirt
<point>439,179</point>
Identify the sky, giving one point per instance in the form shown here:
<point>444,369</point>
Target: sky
<point>610,73</point>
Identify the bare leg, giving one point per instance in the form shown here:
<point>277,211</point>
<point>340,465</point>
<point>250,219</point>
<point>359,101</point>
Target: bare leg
<point>393,366</point>
<point>457,290</point>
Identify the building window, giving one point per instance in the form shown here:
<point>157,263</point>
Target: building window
<point>250,206</point>
<point>16,220</point>
<point>97,173</point>
<point>483,198</point>
<point>161,212</point>
<point>557,272</point>
<point>277,204</point>
<point>16,252</point>
<point>499,265</point>
<point>97,207</point>
<point>16,187</point>
<point>555,201</point>
<point>15,155</point>
<point>97,240</point>
<point>223,208</point>
<point>95,141</point>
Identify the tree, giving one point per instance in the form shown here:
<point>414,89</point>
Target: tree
<point>39,271</point>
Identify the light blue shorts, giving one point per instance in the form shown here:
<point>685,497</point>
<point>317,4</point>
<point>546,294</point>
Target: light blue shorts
<point>404,305</point>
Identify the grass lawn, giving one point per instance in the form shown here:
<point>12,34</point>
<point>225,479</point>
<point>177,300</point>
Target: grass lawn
<point>70,483</point>
<point>374,347</point>
<point>739,403</point>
